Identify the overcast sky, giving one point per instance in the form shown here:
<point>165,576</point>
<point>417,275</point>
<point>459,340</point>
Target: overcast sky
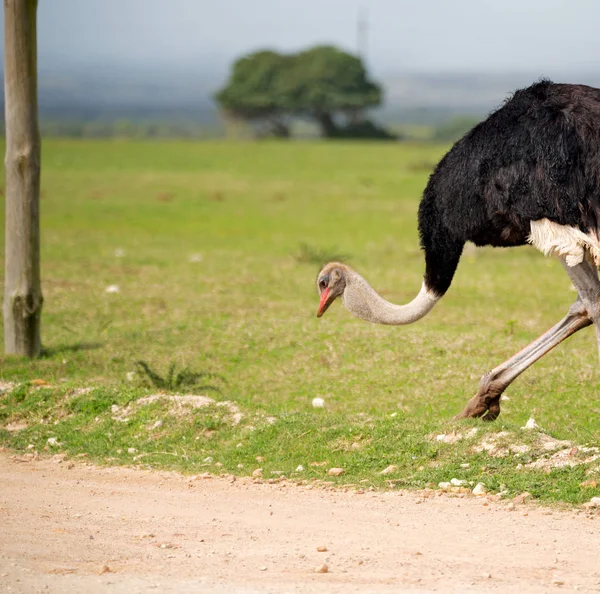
<point>540,36</point>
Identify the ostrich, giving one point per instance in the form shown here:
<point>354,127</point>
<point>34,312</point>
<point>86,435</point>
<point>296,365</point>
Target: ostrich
<point>529,173</point>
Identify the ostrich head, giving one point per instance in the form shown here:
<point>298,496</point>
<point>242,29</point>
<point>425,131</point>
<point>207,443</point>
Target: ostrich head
<point>362,300</point>
<point>331,283</point>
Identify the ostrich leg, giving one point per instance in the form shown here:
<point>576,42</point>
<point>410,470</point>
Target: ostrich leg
<point>585,279</point>
<point>584,312</point>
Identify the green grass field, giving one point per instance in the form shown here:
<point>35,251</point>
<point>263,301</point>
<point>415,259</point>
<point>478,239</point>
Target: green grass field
<point>215,250</point>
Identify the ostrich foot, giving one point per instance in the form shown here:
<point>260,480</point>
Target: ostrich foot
<point>486,403</point>
<point>481,406</point>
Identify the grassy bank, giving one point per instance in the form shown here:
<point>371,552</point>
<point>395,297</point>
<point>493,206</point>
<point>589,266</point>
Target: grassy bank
<point>204,256</point>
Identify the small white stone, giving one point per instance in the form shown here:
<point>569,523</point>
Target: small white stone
<point>52,441</point>
<point>395,414</point>
<point>479,489</point>
<point>593,503</point>
<point>444,485</point>
<point>157,425</point>
<point>130,376</point>
<point>299,468</point>
<point>318,402</point>
<point>458,482</point>
<point>531,424</point>
<point>131,450</point>
<point>30,446</point>
<point>335,471</point>
<point>257,473</point>
<point>465,465</point>
<point>208,460</point>
<point>112,289</point>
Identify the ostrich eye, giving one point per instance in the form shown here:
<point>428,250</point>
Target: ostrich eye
<point>323,282</point>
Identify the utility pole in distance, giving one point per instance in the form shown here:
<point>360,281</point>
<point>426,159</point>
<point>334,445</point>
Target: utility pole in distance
<point>22,287</point>
<point>362,29</point>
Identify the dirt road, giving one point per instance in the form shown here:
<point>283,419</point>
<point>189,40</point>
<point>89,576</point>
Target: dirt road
<point>68,528</point>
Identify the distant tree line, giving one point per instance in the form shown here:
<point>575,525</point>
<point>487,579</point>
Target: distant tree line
<point>323,84</point>
<point>448,131</point>
<point>123,128</point>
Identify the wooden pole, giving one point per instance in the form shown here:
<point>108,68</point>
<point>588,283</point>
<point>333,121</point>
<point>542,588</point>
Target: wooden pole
<point>22,288</point>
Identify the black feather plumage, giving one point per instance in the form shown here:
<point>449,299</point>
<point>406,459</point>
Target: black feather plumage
<point>536,157</point>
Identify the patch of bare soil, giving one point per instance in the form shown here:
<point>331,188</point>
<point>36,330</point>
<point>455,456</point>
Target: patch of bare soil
<point>71,528</point>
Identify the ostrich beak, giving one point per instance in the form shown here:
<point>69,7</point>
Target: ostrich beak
<point>324,303</point>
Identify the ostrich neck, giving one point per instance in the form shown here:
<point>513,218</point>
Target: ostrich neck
<point>361,300</point>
